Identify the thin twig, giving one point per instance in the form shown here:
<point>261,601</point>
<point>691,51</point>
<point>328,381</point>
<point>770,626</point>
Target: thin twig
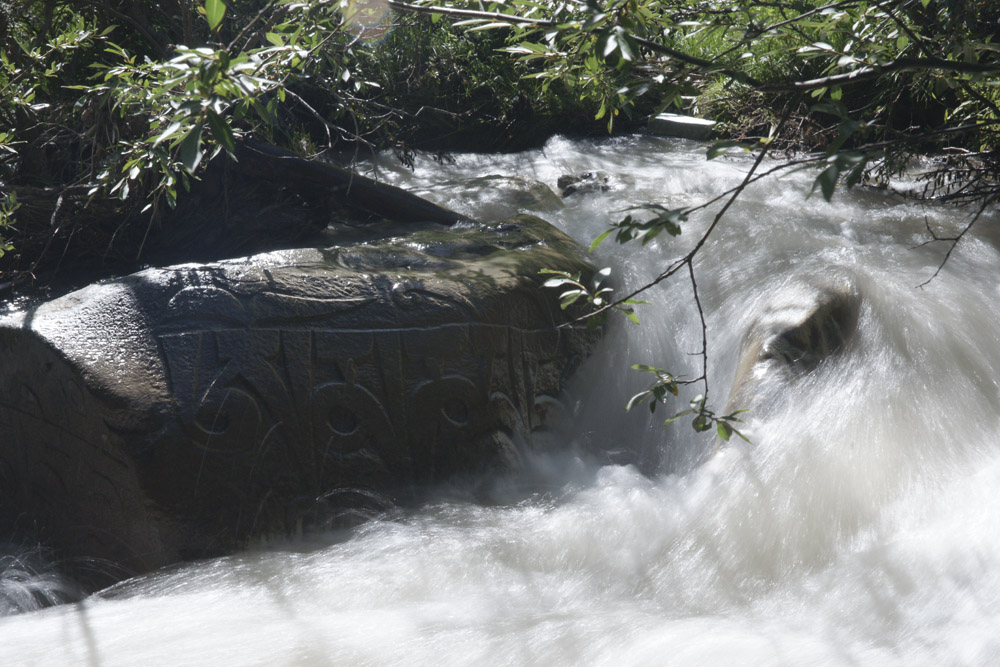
<point>704,330</point>
<point>954,242</point>
<point>689,257</point>
<point>794,19</point>
<point>468,13</point>
<point>249,25</point>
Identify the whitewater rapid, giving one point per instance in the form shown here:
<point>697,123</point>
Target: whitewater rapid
<point>860,527</point>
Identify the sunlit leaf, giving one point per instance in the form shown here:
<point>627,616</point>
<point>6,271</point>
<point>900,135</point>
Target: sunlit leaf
<point>190,151</point>
<point>600,239</point>
<point>635,400</point>
<point>214,11</point>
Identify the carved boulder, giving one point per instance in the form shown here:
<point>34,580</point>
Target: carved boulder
<point>184,411</point>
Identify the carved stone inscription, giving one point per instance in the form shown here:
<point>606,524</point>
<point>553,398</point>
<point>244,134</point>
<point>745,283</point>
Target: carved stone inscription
<point>281,389</point>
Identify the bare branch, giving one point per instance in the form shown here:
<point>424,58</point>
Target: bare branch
<point>954,242</point>
<point>704,329</point>
<point>468,13</point>
<point>689,257</point>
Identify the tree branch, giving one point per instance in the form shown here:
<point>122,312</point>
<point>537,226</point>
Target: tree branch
<point>468,13</point>
<point>677,265</point>
<point>954,242</point>
<point>704,330</point>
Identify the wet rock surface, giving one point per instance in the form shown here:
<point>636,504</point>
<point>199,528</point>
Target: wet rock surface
<point>585,183</point>
<point>183,411</point>
<point>802,326</point>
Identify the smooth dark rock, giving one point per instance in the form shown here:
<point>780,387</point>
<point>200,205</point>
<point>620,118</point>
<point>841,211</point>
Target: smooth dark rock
<point>184,411</point>
<point>268,198</point>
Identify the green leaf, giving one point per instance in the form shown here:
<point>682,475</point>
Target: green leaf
<point>635,400</point>
<point>191,152</point>
<point>558,282</point>
<point>602,111</point>
<point>827,181</point>
<point>569,298</point>
<point>626,47</point>
<point>701,423</point>
<point>214,11</point>
<point>167,133</point>
<point>857,173</point>
<point>678,416</point>
<point>724,430</point>
<point>595,321</point>
<point>221,131</point>
<point>600,239</point>
<point>493,25</point>
<point>630,314</point>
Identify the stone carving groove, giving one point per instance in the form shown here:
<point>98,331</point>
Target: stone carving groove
<point>183,411</point>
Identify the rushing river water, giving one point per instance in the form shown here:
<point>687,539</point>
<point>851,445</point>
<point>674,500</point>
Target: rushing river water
<point>860,527</point>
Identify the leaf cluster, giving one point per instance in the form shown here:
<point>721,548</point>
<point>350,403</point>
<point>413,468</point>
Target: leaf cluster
<point>628,228</point>
<point>595,293</point>
<point>666,385</point>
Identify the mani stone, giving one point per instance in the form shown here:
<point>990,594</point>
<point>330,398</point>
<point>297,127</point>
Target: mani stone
<point>683,127</point>
<point>183,411</point>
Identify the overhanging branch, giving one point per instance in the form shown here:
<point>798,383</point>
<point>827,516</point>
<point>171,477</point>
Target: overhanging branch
<point>859,75</point>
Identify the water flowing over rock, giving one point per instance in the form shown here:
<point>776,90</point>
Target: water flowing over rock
<point>801,326</point>
<point>497,196</point>
<point>182,411</point>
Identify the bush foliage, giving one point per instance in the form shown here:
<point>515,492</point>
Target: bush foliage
<point>109,108</point>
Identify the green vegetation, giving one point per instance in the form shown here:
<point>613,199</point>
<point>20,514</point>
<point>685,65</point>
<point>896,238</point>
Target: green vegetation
<point>110,108</point>
<point>868,83</point>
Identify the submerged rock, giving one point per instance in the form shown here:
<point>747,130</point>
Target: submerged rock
<point>578,184</point>
<point>803,325</point>
<point>182,411</point>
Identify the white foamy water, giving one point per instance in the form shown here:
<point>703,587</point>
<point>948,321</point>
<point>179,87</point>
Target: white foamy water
<point>861,527</point>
